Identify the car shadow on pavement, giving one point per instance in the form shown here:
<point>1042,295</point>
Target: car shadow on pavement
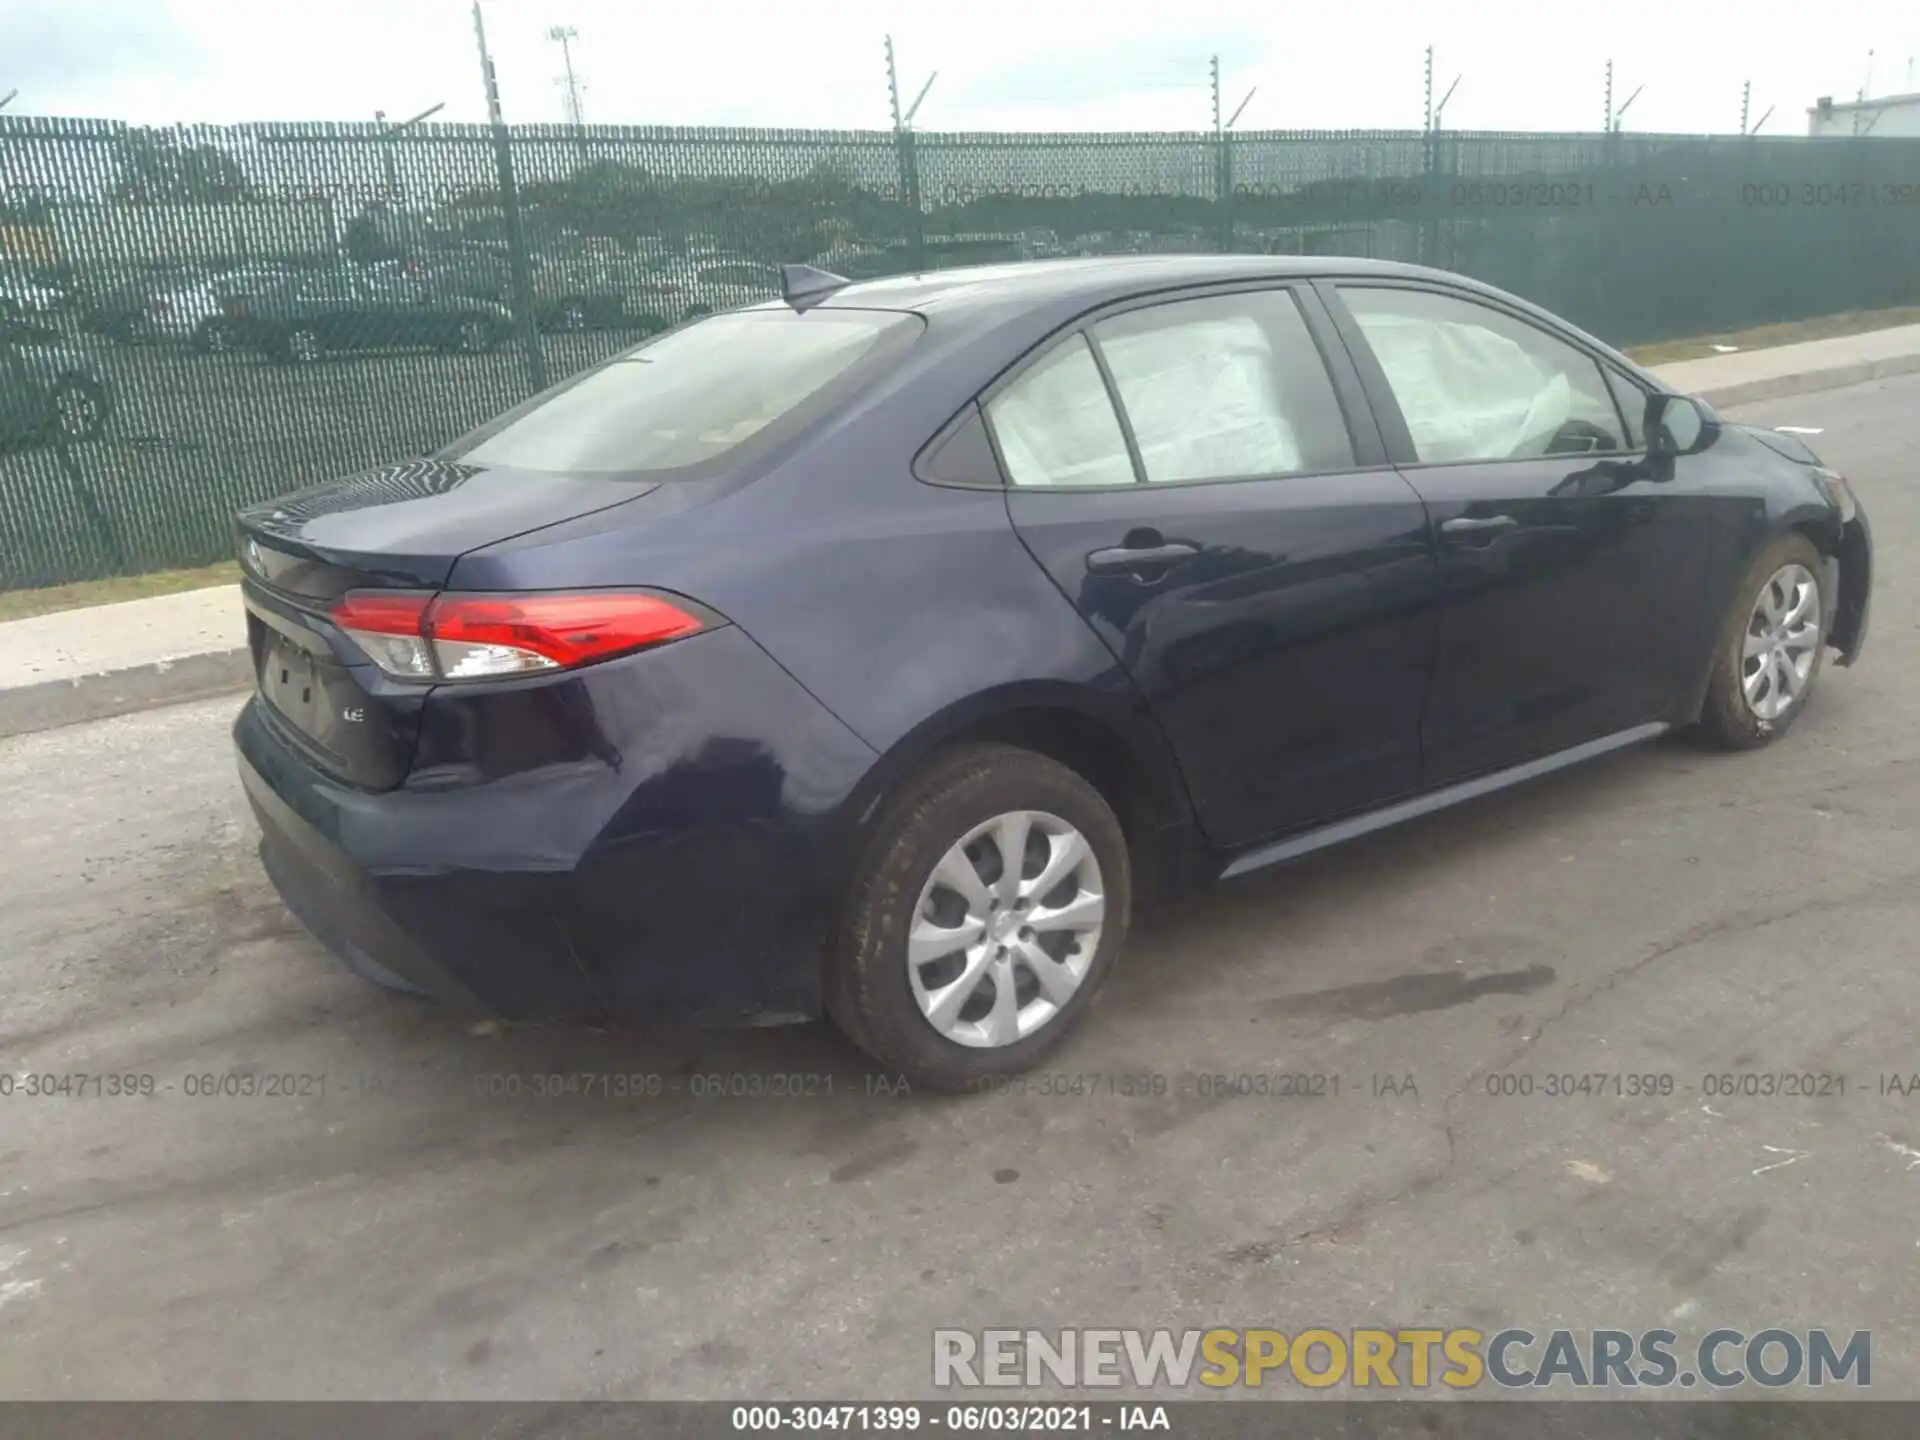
<point>1195,946</point>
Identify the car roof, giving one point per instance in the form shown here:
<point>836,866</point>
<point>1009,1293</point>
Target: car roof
<point>1050,293</point>
<point>1097,278</point>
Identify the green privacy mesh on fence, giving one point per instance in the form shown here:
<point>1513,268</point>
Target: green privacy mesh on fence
<point>197,318</point>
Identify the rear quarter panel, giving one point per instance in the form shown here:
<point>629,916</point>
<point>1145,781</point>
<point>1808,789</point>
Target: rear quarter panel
<point>907,609</point>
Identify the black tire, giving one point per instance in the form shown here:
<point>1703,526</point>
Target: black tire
<point>1727,721</point>
<point>476,337</point>
<point>213,337</point>
<point>301,346</point>
<point>80,410</point>
<point>868,993</point>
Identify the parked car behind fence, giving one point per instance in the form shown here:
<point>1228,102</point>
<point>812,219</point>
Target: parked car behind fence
<point>345,310</point>
<point>567,295</point>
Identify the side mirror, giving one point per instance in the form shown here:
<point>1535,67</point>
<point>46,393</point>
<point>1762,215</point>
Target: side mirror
<point>1678,425</point>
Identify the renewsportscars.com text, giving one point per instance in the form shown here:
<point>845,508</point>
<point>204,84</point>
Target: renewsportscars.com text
<point>1417,1359</point>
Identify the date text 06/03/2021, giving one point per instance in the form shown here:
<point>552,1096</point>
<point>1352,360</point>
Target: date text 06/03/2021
<point>909,1418</point>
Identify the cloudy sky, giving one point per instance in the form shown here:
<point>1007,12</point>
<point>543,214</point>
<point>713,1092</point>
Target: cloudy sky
<point>1003,64</point>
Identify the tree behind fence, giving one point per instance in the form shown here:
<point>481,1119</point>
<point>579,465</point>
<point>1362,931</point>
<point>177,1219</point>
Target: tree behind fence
<point>254,308</point>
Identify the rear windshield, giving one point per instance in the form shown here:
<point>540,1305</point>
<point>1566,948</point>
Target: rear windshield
<point>692,395</point>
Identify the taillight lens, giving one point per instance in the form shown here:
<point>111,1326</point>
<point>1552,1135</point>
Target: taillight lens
<point>391,628</point>
<point>486,637</point>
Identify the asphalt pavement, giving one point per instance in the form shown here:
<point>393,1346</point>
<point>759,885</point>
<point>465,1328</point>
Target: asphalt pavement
<point>376,1201</point>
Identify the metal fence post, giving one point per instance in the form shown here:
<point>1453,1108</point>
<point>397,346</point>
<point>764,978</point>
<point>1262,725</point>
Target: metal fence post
<point>1223,187</point>
<point>518,264</point>
<point>909,161</point>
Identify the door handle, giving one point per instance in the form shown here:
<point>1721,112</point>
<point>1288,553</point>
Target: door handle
<point>1485,527</point>
<point>1125,559</point>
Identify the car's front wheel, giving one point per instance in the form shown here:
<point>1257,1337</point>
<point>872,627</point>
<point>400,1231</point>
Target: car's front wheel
<point>989,904</point>
<point>1770,649</point>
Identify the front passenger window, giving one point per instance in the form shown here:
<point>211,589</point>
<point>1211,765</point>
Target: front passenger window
<point>1056,424</point>
<point>1474,383</point>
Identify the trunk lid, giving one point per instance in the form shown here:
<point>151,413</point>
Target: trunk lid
<point>398,527</point>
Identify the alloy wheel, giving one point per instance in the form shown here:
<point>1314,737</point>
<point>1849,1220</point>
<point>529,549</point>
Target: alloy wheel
<point>1782,642</point>
<point>303,345</point>
<point>1006,928</point>
<point>78,412</point>
<point>473,337</point>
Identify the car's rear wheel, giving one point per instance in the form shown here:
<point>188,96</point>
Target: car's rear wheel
<point>213,337</point>
<point>79,409</point>
<point>989,905</point>
<point>476,336</point>
<point>1770,649</point>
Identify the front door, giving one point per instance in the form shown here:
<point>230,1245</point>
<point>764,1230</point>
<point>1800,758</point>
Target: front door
<point>1570,565</point>
<point>1188,475</point>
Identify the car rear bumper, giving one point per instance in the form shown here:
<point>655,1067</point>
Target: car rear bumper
<point>661,836</point>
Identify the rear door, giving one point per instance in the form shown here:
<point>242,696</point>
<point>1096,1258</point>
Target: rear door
<point>1201,480</point>
<point>397,313</point>
<point>332,307</point>
<point>1570,566</point>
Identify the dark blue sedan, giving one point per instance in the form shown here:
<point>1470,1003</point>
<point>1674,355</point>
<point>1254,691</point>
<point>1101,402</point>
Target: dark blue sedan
<point>877,651</point>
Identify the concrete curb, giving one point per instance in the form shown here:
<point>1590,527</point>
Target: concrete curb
<point>27,708</point>
<point>1778,387</point>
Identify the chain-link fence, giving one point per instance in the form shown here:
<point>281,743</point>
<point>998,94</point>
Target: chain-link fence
<point>200,317</point>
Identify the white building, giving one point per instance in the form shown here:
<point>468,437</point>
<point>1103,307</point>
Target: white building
<point>1889,115</point>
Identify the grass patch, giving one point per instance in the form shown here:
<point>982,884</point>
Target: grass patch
<point>1765,337</point>
<point>19,604</point>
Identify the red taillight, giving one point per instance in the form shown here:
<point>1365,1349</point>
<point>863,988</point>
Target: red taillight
<point>161,308</point>
<point>383,612</point>
<point>479,637</point>
<point>567,630</point>
<point>391,628</point>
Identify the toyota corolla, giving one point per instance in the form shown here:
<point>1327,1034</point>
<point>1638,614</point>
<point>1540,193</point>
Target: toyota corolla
<point>878,650</point>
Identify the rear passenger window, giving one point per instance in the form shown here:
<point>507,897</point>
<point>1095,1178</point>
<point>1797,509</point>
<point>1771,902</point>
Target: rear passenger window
<point>1225,387</point>
<point>1056,425</point>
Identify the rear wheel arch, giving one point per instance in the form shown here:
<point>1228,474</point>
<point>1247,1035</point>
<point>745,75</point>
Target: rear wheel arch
<point>1122,758</point>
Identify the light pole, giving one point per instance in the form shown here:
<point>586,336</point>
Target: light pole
<point>564,36</point>
<point>521,270</point>
<point>388,134</point>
